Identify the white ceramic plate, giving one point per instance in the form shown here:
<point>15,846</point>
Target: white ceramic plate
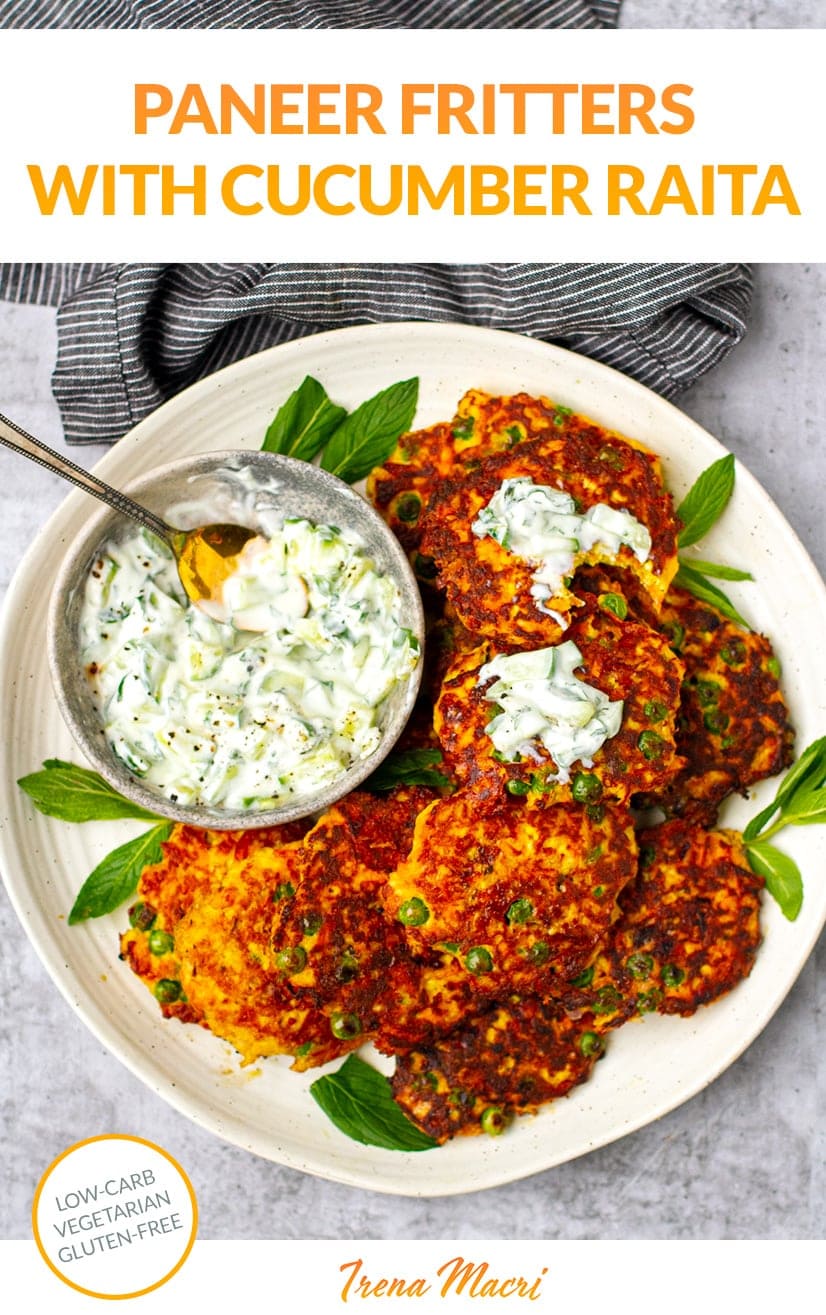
<point>651,1066</point>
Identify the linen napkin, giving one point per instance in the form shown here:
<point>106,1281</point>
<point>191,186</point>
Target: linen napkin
<point>131,336</point>
<point>308,13</point>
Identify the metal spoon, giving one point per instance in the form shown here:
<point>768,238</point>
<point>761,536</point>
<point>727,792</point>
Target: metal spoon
<point>205,556</point>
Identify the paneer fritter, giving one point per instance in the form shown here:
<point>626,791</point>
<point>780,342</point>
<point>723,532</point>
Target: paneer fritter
<point>522,898</point>
<point>200,943</point>
<point>425,998</point>
<point>509,1061</point>
<point>734,727</point>
<point>627,662</point>
<point>401,489</point>
<point>688,931</point>
<point>330,938</point>
<point>490,587</point>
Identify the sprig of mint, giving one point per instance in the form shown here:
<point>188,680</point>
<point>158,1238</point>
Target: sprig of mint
<point>800,801</point>
<point>350,445</point>
<point>409,767</point>
<point>701,508</point>
<point>76,794</point>
<point>116,877</point>
<point>359,1101</point>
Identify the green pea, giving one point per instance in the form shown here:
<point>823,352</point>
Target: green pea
<point>586,788</point>
<point>539,953</point>
<point>161,942</point>
<point>515,435</point>
<point>413,912</point>
<point>708,692</point>
<point>517,787</point>
<point>590,1043</point>
<point>408,508</point>
<point>672,975</point>
<point>733,653</point>
<point>478,960</point>
<point>640,965</point>
<point>284,890</point>
<point>716,721</point>
<point>676,634</point>
<point>493,1120</point>
<point>292,959</point>
<point>607,1000</point>
<point>611,457</point>
<point>167,990</point>
<point>598,891</point>
<point>773,667</point>
<point>649,1001</point>
<point>425,567</point>
<point>142,916</point>
<point>345,1027</point>
<point>614,603</point>
<point>348,966</point>
<point>311,923</point>
<point>520,911</point>
<point>655,711</point>
<point>584,978</point>
<point>651,745</point>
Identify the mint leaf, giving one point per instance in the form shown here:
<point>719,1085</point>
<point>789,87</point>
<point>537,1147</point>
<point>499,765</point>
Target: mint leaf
<point>116,877</point>
<point>304,423</point>
<point>801,795</point>
<point>408,767</point>
<point>368,435</point>
<point>706,500</point>
<point>359,1101</point>
<point>75,794</point>
<point>695,583</point>
<point>718,572</point>
<point>810,766</point>
<point>781,874</point>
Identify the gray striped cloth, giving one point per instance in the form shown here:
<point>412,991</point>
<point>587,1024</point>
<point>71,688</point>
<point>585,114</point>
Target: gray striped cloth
<point>131,336</point>
<point>308,13</point>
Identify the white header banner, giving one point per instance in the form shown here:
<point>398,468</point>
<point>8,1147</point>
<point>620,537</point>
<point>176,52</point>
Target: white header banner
<point>413,145</point>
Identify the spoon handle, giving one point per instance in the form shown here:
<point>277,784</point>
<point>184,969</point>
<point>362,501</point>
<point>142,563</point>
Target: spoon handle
<point>11,435</point>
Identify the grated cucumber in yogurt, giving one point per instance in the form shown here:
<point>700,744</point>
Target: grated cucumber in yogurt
<point>258,713</point>
<point>542,524</point>
<point>543,703</point>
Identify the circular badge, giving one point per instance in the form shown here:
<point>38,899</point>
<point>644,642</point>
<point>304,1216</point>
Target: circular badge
<point>114,1216</point>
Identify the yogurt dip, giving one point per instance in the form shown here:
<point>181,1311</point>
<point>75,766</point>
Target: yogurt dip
<point>260,712</point>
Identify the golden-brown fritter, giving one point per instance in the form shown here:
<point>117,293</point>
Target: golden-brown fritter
<point>690,925</point>
<point>425,997</point>
<point>521,897</point>
<point>625,661</point>
<point>510,1060</point>
<point>734,726</point>
<point>401,489</point>
<point>331,940</point>
<point>688,931</point>
<point>490,587</point>
<point>200,942</point>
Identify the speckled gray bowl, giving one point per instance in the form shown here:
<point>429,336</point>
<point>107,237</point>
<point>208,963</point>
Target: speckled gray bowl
<point>302,490</point>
